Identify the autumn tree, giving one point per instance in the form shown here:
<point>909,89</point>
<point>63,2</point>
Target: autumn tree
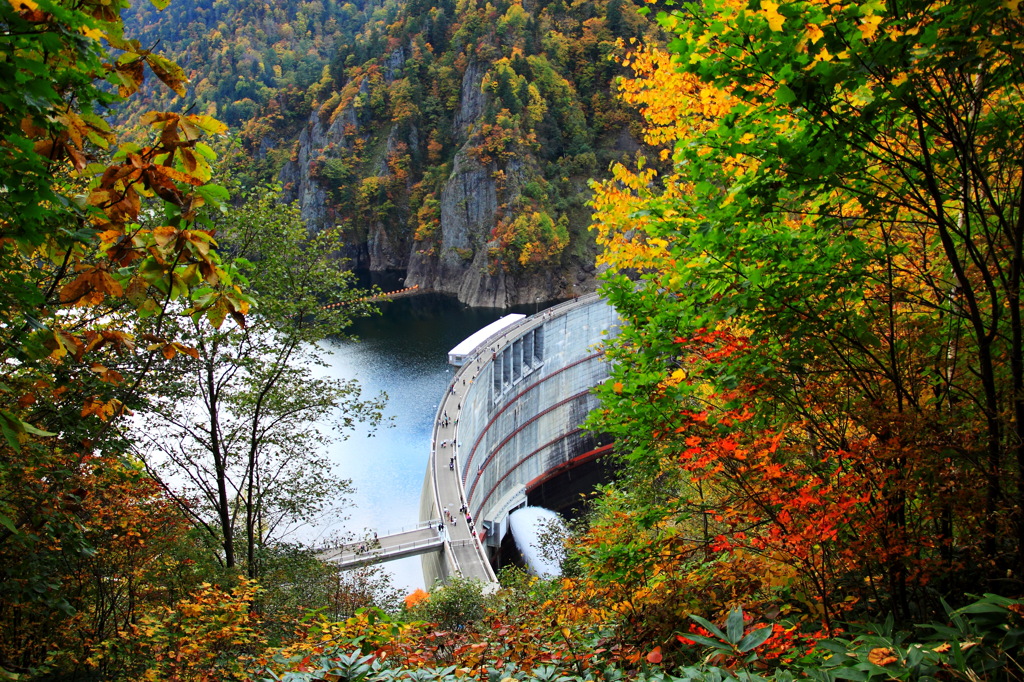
<point>240,424</point>
<point>529,240</point>
<point>131,554</point>
<point>77,267</point>
<point>821,297</point>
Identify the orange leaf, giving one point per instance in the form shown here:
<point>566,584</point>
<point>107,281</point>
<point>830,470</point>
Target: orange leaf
<point>76,290</point>
<point>655,655</point>
<point>187,350</point>
<point>177,175</point>
<point>881,656</point>
<point>101,280</point>
<point>164,234</point>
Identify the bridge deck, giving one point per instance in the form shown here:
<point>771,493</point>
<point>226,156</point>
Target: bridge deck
<point>465,549</point>
<point>398,545</point>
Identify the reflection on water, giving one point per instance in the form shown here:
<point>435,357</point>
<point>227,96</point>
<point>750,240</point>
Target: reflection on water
<point>402,352</point>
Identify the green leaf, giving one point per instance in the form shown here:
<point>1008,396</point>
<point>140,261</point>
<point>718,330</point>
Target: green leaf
<point>7,523</point>
<point>706,641</point>
<point>755,639</point>
<point>214,195</point>
<point>783,95</point>
<point>11,427</point>
<point>36,432</point>
<point>710,627</point>
<point>734,626</point>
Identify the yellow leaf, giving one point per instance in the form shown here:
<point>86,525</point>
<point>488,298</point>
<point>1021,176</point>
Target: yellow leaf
<point>771,13</point>
<point>869,27</point>
<point>822,56</point>
<point>169,72</point>
<point>207,124</point>
<point>862,96</point>
<point>814,33</point>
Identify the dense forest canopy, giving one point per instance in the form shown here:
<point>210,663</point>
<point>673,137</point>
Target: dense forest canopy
<point>239,55</point>
<point>817,393</point>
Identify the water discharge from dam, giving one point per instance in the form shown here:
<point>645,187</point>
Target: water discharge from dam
<point>534,529</point>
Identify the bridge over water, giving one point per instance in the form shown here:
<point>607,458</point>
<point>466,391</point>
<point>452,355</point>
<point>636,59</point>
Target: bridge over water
<point>509,422</point>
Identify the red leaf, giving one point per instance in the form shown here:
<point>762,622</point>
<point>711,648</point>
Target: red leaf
<point>655,655</point>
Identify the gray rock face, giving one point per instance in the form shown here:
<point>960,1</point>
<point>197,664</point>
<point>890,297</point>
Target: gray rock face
<point>377,250</point>
<point>471,101</point>
<point>457,264</point>
<point>394,62</point>
<point>469,212</point>
<point>318,135</point>
<point>383,252</point>
<point>462,266</point>
<point>469,203</point>
<point>295,176</point>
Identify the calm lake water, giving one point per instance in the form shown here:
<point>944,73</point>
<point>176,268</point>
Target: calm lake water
<point>403,352</point>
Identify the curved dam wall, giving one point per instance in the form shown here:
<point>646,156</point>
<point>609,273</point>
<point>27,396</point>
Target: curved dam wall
<point>527,391</point>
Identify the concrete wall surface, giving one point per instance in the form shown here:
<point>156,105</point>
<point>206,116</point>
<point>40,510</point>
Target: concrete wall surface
<point>527,392</point>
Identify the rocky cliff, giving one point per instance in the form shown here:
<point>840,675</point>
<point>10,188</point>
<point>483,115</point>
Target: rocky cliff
<point>453,139</point>
<point>465,163</point>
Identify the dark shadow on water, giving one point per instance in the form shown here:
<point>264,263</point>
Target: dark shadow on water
<point>427,322</point>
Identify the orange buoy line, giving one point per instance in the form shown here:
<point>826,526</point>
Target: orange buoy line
<point>381,297</point>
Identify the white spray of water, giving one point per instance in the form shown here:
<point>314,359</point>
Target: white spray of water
<point>532,526</point>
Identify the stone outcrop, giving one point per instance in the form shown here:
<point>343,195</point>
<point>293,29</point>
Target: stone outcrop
<point>471,101</point>
<point>458,262</point>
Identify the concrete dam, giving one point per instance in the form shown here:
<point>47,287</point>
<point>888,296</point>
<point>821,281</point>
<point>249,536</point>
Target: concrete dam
<point>509,427</point>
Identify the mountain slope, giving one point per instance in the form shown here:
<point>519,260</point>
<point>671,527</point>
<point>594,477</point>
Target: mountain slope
<point>453,139</point>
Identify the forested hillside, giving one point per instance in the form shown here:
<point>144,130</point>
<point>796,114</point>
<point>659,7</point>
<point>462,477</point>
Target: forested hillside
<point>454,140</point>
<point>239,55</point>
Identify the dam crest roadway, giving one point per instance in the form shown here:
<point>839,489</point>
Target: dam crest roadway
<point>509,423</point>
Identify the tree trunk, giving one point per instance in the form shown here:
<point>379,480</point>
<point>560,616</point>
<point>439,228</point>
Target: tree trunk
<point>220,467</point>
